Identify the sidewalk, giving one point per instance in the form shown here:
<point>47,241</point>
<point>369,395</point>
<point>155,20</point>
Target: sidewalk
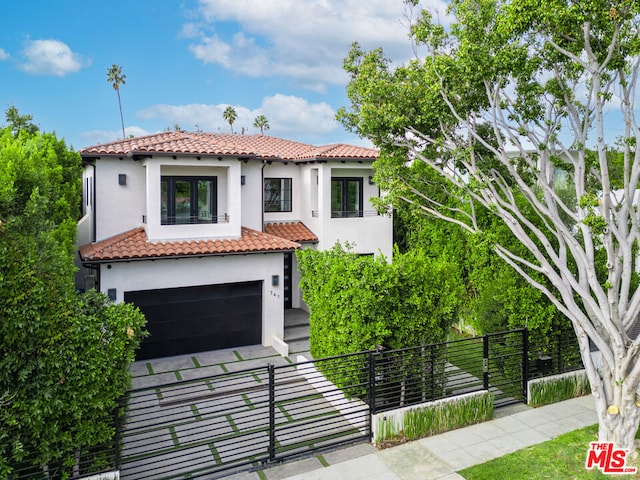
<point>441,456</point>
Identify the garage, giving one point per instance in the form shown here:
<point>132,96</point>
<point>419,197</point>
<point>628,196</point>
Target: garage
<point>195,319</point>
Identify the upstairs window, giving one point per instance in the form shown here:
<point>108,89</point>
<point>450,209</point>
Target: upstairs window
<point>188,200</point>
<point>277,194</point>
<point>346,197</point>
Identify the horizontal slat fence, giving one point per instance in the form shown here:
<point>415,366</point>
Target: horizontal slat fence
<point>213,426</point>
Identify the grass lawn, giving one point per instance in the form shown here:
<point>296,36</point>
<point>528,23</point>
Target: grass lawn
<point>561,458</point>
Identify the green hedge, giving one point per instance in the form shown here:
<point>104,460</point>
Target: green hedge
<point>436,418</point>
<point>358,302</point>
<point>546,390</point>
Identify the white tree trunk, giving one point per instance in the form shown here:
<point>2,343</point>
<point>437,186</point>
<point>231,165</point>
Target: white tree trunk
<point>616,404</point>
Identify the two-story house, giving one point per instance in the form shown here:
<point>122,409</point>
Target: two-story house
<point>199,230</point>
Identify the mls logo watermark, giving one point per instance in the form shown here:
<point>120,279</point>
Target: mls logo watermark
<point>608,458</point>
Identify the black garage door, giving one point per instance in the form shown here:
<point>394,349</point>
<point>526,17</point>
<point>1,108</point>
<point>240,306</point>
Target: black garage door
<point>195,319</point>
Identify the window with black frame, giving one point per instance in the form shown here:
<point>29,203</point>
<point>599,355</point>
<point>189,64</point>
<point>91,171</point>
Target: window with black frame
<point>346,197</point>
<point>277,194</point>
<point>188,200</point>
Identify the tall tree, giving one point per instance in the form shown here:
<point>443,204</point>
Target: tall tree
<point>230,116</point>
<point>64,357</point>
<point>539,78</point>
<point>116,78</point>
<point>262,123</point>
<point>18,122</point>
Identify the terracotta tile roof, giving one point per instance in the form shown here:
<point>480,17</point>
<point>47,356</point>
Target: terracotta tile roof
<point>294,231</point>
<point>220,144</point>
<point>134,244</point>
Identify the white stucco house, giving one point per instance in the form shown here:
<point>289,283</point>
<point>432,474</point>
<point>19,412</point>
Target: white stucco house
<point>199,229</point>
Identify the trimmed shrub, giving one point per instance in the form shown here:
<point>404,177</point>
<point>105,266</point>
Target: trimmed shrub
<point>434,417</point>
<point>556,388</point>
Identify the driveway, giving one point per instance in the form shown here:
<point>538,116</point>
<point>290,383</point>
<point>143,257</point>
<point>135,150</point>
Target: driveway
<point>209,413</point>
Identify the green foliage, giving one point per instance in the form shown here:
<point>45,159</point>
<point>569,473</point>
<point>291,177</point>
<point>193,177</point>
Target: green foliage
<point>500,299</point>
<point>116,78</point>
<point>262,123</point>
<point>520,68</point>
<point>63,357</point>
<point>17,122</point>
<point>546,390</point>
<point>562,457</point>
<point>230,116</point>
<point>359,302</point>
<point>436,418</point>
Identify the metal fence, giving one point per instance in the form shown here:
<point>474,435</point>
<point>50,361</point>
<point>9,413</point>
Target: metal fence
<point>216,425</point>
<point>235,421</point>
<point>78,464</point>
<point>558,353</point>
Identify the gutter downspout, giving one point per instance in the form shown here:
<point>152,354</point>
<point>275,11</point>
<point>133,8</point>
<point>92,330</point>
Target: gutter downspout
<point>264,163</point>
<point>93,205</point>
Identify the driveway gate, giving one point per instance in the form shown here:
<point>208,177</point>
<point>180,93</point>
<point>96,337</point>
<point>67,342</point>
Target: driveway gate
<point>235,421</point>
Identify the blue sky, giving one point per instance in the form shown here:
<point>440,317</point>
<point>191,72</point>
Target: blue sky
<point>186,61</point>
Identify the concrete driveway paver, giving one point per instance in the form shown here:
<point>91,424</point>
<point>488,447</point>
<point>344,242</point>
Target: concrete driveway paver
<point>171,364</point>
<point>278,472</point>
<point>155,417</point>
<point>255,364</point>
<point>217,416</point>
<point>143,442</point>
<point>172,464</point>
<point>153,380</point>
<point>201,372</point>
<point>238,448</point>
<point>216,357</point>
<point>198,430</point>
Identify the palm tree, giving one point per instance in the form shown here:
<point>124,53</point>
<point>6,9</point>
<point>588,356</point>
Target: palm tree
<point>230,116</point>
<point>116,78</point>
<point>262,123</point>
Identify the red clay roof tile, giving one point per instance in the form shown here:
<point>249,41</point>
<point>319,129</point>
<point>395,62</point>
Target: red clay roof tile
<point>134,244</point>
<point>294,231</point>
<point>218,144</point>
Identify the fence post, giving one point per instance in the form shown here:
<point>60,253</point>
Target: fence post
<point>372,381</point>
<point>559,353</point>
<point>485,362</point>
<point>272,412</point>
<point>525,364</point>
<point>432,380</point>
<point>116,437</point>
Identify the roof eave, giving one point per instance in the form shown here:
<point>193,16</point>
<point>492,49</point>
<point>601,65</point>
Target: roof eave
<point>194,255</point>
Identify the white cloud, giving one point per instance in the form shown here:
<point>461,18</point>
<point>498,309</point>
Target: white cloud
<point>289,114</point>
<point>95,137</point>
<point>289,117</point>
<point>303,39</point>
<point>50,57</point>
<point>4,55</point>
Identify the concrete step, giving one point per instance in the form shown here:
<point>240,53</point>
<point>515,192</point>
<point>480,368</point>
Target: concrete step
<point>300,332</point>
<point>296,321</point>
<point>299,346</point>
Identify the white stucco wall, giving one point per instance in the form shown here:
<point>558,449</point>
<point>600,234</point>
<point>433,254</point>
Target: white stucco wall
<point>118,207</point>
<point>371,233</point>
<point>252,194</point>
<point>185,272</point>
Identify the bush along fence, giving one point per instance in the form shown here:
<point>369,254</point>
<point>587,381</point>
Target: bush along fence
<point>244,420</point>
<point>431,418</point>
<point>556,388</point>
